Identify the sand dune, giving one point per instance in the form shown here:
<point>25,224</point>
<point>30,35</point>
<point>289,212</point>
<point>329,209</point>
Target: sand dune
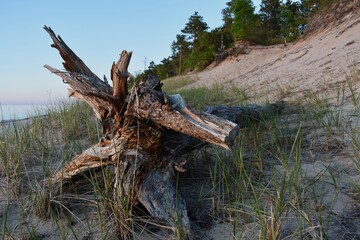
<point>316,62</point>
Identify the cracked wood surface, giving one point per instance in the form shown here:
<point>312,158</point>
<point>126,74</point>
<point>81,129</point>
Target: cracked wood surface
<point>135,126</point>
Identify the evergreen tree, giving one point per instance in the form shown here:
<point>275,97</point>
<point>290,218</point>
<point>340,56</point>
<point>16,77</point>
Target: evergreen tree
<point>180,49</point>
<point>165,69</point>
<point>195,27</point>
<point>152,69</point>
<point>311,6</point>
<point>226,36</point>
<point>291,20</point>
<point>270,17</point>
<point>244,19</point>
<point>228,15</point>
<point>180,44</point>
<point>205,51</point>
<point>198,38</point>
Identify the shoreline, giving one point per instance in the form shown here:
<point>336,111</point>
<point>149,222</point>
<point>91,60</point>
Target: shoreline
<point>21,119</point>
<point>7,126</point>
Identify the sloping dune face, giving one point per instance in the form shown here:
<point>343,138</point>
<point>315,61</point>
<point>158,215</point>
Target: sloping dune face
<point>317,62</point>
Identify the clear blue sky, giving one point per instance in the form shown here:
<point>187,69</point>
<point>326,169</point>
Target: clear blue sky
<point>97,31</point>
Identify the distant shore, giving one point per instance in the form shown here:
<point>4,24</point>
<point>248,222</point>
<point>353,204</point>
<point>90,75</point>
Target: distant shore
<point>6,126</point>
<point>18,112</point>
<point>21,119</point>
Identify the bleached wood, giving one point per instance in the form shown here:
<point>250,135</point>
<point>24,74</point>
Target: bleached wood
<point>134,126</point>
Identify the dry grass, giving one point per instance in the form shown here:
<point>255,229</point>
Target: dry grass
<point>290,176</point>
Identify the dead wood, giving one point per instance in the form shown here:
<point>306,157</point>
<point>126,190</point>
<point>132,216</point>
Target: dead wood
<point>135,126</point>
<point>177,144</point>
<point>243,115</point>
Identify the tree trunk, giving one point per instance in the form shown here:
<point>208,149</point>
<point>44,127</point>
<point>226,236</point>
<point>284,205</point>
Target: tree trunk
<point>136,130</point>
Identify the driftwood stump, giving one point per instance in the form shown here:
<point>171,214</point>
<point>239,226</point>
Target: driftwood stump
<point>144,130</point>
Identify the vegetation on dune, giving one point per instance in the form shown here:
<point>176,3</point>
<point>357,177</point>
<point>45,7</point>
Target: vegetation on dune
<point>279,173</point>
<point>196,46</point>
<point>290,175</point>
<point>202,97</point>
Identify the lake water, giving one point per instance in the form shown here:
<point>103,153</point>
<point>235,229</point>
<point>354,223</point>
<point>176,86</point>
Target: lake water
<point>11,112</point>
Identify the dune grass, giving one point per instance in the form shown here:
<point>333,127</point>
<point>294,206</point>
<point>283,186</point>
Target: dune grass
<point>172,84</point>
<point>202,97</point>
<point>284,179</point>
<point>276,182</point>
<point>31,151</point>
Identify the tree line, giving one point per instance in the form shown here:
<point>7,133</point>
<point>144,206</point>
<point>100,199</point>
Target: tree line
<point>196,46</point>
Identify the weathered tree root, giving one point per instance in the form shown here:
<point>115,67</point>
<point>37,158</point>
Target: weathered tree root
<point>135,128</point>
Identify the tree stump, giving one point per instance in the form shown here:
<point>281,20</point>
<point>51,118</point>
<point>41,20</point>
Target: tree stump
<point>144,130</point>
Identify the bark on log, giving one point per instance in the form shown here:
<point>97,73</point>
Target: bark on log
<point>135,125</point>
<point>242,115</point>
<point>177,144</point>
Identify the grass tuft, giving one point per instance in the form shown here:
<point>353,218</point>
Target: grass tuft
<point>289,176</point>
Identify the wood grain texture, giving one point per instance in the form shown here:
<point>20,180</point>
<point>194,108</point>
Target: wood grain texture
<point>135,127</point>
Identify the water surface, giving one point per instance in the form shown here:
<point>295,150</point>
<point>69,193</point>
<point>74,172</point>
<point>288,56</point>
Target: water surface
<point>14,112</point>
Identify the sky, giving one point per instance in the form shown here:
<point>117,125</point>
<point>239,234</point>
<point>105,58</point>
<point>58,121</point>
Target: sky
<point>97,31</point>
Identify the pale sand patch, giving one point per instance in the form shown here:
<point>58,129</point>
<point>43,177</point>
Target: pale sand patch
<point>310,65</point>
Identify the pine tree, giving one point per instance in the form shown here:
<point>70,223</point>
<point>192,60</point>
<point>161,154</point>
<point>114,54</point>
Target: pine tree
<point>270,16</point>
<point>195,27</point>
<point>204,53</point>
<point>181,49</point>
<point>291,20</point>
<point>165,69</point>
<point>225,31</point>
<point>152,69</point>
<point>228,15</point>
<point>244,19</point>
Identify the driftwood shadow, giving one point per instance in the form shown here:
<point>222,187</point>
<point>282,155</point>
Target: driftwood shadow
<point>146,133</point>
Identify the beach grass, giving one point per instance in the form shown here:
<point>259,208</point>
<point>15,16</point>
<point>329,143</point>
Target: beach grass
<point>201,97</point>
<point>291,175</point>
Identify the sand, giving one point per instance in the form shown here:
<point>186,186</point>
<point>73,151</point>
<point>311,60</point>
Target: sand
<point>317,64</point>
<point>312,64</point>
